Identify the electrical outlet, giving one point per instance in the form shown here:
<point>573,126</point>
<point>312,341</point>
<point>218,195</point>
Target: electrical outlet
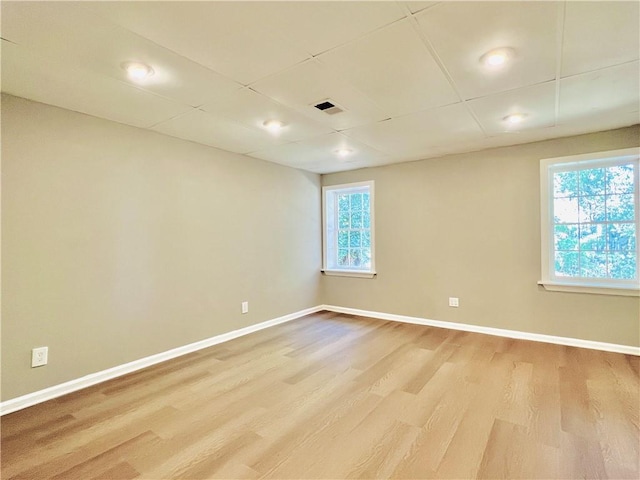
<point>39,356</point>
<point>245,307</point>
<point>454,302</point>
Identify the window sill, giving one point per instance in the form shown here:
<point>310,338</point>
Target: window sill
<point>349,273</point>
<point>594,289</point>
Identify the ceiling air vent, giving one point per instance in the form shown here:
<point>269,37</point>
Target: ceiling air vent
<point>329,107</point>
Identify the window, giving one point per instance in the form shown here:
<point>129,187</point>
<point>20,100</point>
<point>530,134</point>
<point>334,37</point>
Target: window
<point>348,230</point>
<point>590,223</point>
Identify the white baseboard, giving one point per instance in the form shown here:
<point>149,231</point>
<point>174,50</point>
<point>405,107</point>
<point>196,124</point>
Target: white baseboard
<point>49,393</point>
<point>536,337</point>
<point>40,396</point>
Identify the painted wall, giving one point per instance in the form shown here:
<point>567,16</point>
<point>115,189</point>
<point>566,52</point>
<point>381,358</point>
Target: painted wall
<point>118,243</point>
<point>468,226</point>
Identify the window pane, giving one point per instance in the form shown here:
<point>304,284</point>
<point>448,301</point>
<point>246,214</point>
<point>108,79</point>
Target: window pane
<point>592,181</point>
<point>343,220</point>
<point>366,219</point>
<point>622,236</point>
<point>354,239</point>
<point>620,207</point>
<point>366,257</point>
<point>622,266</point>
<point>565,184</point>
<point>343,239</point>
<point>365,201</point>
<point>347,243</point>
<point>592,237</point>
<point>566,237</point>
<point>356,258</point>
<point>620,179</point>
<point>356,201</point>
<point>593,264</point>
<point>567,264</point>
<point>343,202</point>
<point>366,239</point>
<point>565,210</point>
<point>594,212</point>
<point>356,220</point>
<point>343,257</point>
<point>592,208</point>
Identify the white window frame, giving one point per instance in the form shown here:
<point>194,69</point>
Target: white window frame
<point>582,285</point>
<point>329,228</point>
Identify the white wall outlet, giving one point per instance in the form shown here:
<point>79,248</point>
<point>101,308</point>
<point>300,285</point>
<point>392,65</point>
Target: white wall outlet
<point>245,307</point>
<point>39,356</point>
<point>454,302</point>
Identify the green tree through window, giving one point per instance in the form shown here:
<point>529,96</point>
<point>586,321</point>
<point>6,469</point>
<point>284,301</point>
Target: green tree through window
<point>348,233</point>
<point>354,239</point>
<point>590,219</point>
<point>594,222</point>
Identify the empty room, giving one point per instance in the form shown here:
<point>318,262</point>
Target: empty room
<point>320,240</point>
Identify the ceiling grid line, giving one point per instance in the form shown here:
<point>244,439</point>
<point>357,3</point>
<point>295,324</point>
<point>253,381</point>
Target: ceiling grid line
<point>427,43</point>
<point>364,35</point>
<point>413,78</point>
<point>152,126</point>
<point>601,69</point>
<point>158,45</point>
<point>562,8</point>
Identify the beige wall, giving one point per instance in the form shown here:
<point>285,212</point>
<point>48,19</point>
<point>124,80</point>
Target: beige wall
<point>118,243</point>
<point>469,226</point>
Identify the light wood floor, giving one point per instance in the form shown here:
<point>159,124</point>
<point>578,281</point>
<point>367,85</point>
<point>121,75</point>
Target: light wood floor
<point>336,396</point>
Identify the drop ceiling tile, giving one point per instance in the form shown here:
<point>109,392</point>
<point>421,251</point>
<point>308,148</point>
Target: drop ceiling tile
<point>598,123</point>
<point>318,154</point>
<point>70,56</point>
<point>216,131</point>
<point>308,83</point>
<point>252,109</point>
<point>461,32</point>
<point>230,38</point>
<point>415,7</point>
<point>289,154</point>
<point>317,27</point>
<point>28,75</point>
<point>393,66</point>
<point>589,125</point>
<point>606,121</point>
<point>420,131</point>
<point>415,155</point>
<point>599,34</point>
<point>589,95</point>
<point>537,102</point>
<point>504,140</point>
<point>101,46</point>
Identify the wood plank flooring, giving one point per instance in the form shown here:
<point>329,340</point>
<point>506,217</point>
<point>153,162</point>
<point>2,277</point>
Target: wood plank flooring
<point>336,396</point>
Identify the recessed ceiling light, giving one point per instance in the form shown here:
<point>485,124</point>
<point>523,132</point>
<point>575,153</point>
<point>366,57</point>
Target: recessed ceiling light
<point>514,118</point>
<point>496,58</point>
<point>137,71</point>
<point>274,126</point>
<point>344,152</point>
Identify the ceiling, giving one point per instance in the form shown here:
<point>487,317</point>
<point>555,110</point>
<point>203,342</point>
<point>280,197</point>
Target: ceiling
<point>407,74</point>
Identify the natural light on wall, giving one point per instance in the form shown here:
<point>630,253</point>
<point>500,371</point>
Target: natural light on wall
<point>590,221</point>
